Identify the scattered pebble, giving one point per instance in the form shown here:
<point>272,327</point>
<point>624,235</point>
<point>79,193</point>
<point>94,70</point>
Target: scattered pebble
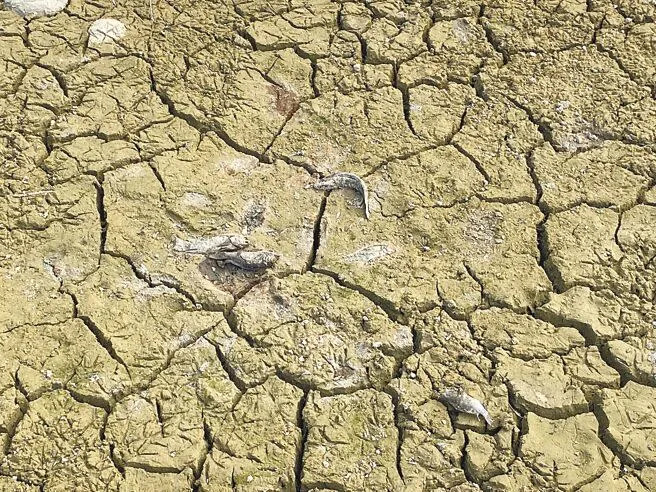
<point>106,31</point>
<point>562,106</point>
<point>36,8</point>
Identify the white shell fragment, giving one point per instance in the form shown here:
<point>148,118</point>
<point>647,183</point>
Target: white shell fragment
<point>106,31</point>
<point>369,254</point>
<point>36,8</point>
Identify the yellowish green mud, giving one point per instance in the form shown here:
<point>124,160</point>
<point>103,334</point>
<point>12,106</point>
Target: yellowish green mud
<point>509,149</point>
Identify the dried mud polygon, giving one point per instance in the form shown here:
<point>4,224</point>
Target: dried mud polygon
<point>509,150</point>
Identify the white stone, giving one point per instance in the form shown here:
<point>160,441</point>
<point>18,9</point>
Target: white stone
<point>35,8</point>
<point>106,31</point>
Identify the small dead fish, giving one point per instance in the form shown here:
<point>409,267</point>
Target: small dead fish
<point>460,401</point>
<point>246,260</point>
<point>205,246</point>
<point>345,180</point>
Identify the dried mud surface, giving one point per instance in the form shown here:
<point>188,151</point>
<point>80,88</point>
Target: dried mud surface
<point>510,152</point>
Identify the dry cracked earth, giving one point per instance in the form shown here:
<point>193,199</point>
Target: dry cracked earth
<point>509,148</point>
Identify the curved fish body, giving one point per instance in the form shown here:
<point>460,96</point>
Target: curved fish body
<point>460,401</point>
<point>346,180</point>
<point>246,260</point>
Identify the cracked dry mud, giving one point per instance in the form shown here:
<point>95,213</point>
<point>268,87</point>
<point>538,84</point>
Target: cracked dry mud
<point>509,148</point>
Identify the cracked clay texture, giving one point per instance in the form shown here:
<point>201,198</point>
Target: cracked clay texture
<point>509,152</point>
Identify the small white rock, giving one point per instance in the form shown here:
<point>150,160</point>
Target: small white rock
<point>36,8</point>
<point>562,106</point>
<point>106,31</point>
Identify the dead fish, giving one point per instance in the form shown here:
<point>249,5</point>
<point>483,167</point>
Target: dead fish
<point>205,246</point>
<point>345,180</point>
<point>246,260</point>
<point>460,401</point>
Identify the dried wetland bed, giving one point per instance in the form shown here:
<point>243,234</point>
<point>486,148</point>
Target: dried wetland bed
<point>491,325</point>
